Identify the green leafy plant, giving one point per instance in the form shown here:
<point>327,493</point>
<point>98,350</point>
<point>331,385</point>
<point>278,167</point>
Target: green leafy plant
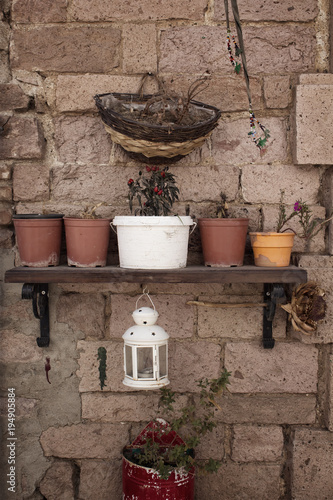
<point>155,191</point>
<point>194,420</point>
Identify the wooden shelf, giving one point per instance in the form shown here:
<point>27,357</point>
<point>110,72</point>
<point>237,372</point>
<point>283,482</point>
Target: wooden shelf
<point>190,274</point>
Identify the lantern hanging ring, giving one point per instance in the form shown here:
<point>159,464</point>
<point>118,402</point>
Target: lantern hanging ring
<point>143,295</point>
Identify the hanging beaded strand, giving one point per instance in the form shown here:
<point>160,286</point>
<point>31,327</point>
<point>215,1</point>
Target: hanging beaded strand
<point>261,141</point>
<point>237,65</point>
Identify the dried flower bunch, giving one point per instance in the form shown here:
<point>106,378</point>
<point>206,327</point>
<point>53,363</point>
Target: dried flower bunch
<point>155,191</point>
<point>307,307</point>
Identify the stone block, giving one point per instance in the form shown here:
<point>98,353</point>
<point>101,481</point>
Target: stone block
<point>188,360</point>
<point>312,465</point>
<point>71,49</point>
<point>12,97</point>
<point>329,417</point>
<point>58,482</point>
<point>226,92</point>
<point>237,323</point>
<point>263,184</point>
<point>5,217</point>
<point>6,238</point>
<point>72,309</point>
<point>39,11</point>
<point>82,139</point>
<point>196,49</point>
<point>5,193</point>
<point>100,479</point>
<point>30,182</point>
<point>5,172</point>
<point>287,368</point>
<point>76,92</point>
<point>211,445</point>
<point>12,348</point>
<point>240,481</point>
<point>257,443</point>
<point>198,184</point>
<point>312,139</point>
<point>24,407</point>
<point>268,409</point>
<point>22,140</point>
<point>85,441</point>
<point>175,316</point>
<point>285,10</point>
<point>120,407</point>
<point>98,10</point>
<point>232,145</point>
<point>88,372</point>
<point>277,91</point>
<point>4,36</point>
<point>139,48</point>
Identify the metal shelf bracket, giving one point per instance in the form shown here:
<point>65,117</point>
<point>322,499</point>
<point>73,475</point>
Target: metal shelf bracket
<point>273,294</point>
<point>38,293</point>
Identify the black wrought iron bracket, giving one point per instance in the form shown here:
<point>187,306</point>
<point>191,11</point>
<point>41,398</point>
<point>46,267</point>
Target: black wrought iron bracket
<point>273,294</point>
<point>38,293</point>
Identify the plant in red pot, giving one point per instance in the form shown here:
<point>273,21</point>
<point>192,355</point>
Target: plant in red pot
<point>87,239</point>
<point>160,463</point>
<point>223,237</point>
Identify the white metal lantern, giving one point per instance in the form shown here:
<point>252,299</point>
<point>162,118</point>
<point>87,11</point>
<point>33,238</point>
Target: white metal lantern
<point>145,350</point>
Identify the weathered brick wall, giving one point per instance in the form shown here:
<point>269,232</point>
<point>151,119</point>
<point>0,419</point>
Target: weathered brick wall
<point>275,432</point>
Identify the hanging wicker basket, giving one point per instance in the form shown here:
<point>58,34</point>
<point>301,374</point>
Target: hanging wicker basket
<point>152,140</point>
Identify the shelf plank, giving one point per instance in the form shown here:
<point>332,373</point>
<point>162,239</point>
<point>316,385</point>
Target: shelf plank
<point>190,274</point>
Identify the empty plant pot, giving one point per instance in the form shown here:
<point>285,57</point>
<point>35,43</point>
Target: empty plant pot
<point>272,249</point>
<point>223,241</point>
<point>87,241</point>
<point>38,239</point>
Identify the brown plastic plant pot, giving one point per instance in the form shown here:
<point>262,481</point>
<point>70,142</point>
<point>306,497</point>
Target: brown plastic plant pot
<point>87,241</point>
<point>38,239</point>
<point>223,241</point>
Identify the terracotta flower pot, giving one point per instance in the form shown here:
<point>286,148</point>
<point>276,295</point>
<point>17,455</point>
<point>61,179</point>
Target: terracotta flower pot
<point>38,239</point>
<point>223,241</point>
<point>87,241</point>
<point>272,249</point>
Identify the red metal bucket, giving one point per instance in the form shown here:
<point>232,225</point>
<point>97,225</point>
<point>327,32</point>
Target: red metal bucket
<point>142,483</point>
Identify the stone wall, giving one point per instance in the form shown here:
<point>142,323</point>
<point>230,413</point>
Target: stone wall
<point>275,432</point>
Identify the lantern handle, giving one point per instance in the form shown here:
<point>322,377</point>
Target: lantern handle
<point>147,295</point>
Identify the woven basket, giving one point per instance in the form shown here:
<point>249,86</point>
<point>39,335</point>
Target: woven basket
<point>153,140</point>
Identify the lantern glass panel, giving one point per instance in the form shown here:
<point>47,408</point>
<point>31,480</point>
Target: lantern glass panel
<point>129,361</point>
<point>145,362</point>
<point>163,360</point>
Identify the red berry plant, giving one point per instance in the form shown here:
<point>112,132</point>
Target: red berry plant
<point>155,191</point>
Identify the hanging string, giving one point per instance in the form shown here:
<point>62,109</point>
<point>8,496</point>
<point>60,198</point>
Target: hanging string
<point>145,294</point>
<point>259,140</point>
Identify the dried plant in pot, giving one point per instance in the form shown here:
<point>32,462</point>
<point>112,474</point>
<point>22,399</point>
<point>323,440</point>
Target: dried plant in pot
<point>223,237</point>
<point>152,238</point>
<point>87,239</point>
<point>38,238</point>
<point>159,126</point>
<point>273,248</point>
<point>161,462</point>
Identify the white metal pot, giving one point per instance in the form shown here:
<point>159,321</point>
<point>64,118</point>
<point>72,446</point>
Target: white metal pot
<point>152,242</point>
